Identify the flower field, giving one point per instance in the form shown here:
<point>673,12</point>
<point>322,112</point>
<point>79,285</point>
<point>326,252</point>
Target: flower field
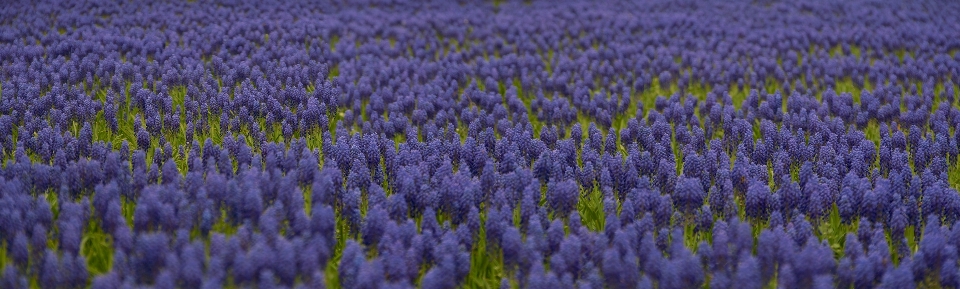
<point>468,144</point>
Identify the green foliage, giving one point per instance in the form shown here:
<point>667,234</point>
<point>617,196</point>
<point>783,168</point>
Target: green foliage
<point>590,207</point>
<point>97,247</point>
<point>834,231</point>
<point>486,264</point>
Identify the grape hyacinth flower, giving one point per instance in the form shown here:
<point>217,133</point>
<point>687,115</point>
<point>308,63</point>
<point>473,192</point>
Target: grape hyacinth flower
<point>401,145</point>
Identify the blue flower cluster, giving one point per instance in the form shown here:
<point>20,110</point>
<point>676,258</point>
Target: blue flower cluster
<point>448,144</point>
